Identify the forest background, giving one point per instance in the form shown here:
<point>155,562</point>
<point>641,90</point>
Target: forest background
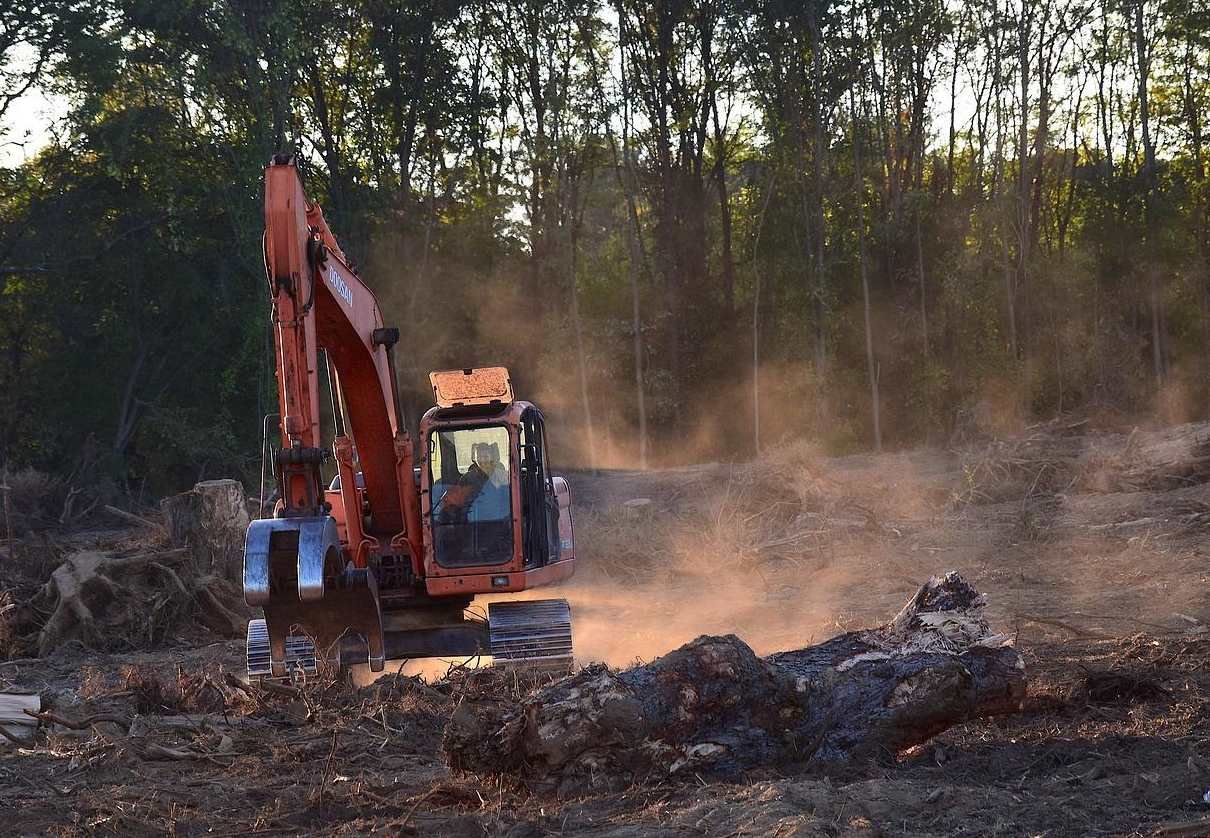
<point>691,228</point>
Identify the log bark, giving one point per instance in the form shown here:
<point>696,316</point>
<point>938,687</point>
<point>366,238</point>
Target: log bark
<point>211,520</point>
<point>714,707</point>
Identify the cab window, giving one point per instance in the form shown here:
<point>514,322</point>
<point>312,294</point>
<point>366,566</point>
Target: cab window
<point>471,500</point>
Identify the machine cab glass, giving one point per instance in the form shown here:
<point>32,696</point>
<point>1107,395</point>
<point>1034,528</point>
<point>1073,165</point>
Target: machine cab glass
<point>471,501</point>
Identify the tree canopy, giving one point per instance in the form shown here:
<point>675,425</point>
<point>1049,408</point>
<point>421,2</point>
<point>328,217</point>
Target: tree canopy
<point>691,228</point>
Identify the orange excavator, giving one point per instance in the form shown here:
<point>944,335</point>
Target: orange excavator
<point>383,562</point>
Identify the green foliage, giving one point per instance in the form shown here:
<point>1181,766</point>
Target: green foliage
<point>480,161</point>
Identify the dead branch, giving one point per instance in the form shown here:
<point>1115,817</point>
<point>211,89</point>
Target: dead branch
<point>132,518</point>
<point>79,724</point>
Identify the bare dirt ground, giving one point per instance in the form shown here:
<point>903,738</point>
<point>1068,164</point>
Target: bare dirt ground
<point>1091,546</point>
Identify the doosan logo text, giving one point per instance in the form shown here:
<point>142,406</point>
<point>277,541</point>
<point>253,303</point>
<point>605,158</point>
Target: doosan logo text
<point>338,285</point>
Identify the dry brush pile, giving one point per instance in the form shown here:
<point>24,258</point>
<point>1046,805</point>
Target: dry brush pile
<point>1067,457</point>
<point>135,588</point>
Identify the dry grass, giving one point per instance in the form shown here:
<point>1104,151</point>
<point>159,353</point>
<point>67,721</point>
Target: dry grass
<point>783,483</point>
<point>1058,460</point>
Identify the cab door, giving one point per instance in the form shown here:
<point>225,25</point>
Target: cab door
<point>539,506</point>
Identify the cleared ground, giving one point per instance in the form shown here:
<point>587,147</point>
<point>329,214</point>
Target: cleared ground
<point>1090,545</point>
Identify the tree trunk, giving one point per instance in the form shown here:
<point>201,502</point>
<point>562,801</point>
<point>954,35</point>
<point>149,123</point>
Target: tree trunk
<point>819,150</point>
<point>1068,207</point>
<point>577,326</point>
<point>635,245</point>
<point>211,520</point>
<point>760,226</point>
<point>1021,278</point>
<point>1046,63</point>
<point>1156,296</point>
<point>924,308</point>
<point>713,708</point>
<point>953,132</point>
<point>724,208</point>
<point>1157,344</point>
<point>1010,293</point>
<point>130,409</point>
<point>871,365</point>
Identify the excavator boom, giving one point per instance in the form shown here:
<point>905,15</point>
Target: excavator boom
<point>320,301</point>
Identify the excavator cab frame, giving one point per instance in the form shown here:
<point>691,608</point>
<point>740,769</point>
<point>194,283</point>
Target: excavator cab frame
<point>542,545</point>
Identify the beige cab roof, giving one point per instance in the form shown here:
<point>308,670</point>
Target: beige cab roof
<point>458,388</point>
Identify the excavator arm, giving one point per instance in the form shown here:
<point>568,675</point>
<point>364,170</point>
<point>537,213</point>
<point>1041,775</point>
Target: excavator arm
<point>319,302</point>
<point>299,559</point>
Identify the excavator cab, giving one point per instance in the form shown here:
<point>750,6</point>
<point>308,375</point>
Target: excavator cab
<point>483,479</point>
<point>497,519</point>
<point>471,513</point>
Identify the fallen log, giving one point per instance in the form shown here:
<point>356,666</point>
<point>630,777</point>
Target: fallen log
<point>714,707</point>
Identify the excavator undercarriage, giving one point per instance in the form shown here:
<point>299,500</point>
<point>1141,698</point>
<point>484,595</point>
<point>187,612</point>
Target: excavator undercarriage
<point>535,634</point>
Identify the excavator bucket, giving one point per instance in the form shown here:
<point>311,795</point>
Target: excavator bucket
<point>314,604</point>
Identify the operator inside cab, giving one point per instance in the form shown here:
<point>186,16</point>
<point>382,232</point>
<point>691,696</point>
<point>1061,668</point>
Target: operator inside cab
<point>486,472</point>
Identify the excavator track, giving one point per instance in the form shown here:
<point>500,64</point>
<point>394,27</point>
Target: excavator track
<point>300,652</point>
<point>534,633</point>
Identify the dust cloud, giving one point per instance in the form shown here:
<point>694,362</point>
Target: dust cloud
<point>1064,522</point>
<point>759,550</point>
<point>1079,519</point>
<point>801,542</point>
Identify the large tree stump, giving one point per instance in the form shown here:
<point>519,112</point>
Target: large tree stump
<point>211,520</point>
<point>104,600</point>
<point>712,706</point>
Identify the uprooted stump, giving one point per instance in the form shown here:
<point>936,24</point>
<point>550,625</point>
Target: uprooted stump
<point>141,594</point>
<point>105,600</point>
<point>713,706</point>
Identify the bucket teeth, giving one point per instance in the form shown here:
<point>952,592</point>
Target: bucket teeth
<point>300,652</point>
<point>537,632</point>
